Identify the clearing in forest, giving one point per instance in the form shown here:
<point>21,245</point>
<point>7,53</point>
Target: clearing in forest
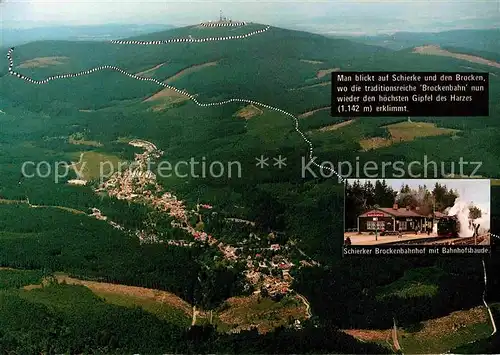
<point>312,112</point>
<point>42,62</point>
<point>240,313</point>
<point>436,50</point>
<point>166,98</point>
<point>91,164</point>
<point>148,73</point>
<point>311,61</point>
<point>191,69</point>
<point>336,126</point>
<point>248,112</point>
<point>325,72</point>
<point>405,131</point>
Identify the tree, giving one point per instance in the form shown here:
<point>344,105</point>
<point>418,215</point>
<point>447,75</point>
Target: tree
<point>443,197</point>
<point>383,195</point>
<point>354,203</point>
<point>269,215</point>
<point>474,212</point>
<point>406,197</point>
<point>369,192</point>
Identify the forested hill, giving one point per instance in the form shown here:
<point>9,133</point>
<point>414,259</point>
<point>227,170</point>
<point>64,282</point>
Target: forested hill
<point>282,59</point>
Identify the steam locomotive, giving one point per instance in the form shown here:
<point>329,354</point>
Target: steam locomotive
<point>448,227</point>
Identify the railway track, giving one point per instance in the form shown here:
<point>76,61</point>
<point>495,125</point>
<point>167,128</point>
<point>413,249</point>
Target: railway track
<point>444,241</point>
<point>469,240</point>
<point>425,240</point>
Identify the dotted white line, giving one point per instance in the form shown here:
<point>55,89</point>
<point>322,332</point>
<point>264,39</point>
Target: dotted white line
<point>225,24</point>
<point>191,97</point>
<point>193,40</point>
<point>484,300</point>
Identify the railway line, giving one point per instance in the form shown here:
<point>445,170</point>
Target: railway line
<point>479,240</point>
<point>471,240</point>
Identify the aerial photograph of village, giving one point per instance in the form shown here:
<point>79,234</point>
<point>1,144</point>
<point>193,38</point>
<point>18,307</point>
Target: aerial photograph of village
<point>173,180</point>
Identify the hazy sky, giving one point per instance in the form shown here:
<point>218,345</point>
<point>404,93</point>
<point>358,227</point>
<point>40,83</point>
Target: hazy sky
<point>476,191</point>
<point>323,16</point>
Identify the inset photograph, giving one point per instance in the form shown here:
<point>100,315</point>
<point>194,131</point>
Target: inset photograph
<point>417,212</point>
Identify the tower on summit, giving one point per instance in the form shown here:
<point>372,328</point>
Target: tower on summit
<point>223,22</point>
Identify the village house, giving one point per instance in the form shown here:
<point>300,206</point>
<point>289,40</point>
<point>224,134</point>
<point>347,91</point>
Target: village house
<point>275,247</point>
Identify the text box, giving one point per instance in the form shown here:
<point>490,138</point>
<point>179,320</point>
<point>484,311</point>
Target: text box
<point>402,94</point>
<point>416,250</point>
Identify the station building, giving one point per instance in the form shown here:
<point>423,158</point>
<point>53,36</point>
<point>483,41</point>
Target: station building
<point>395,219</point>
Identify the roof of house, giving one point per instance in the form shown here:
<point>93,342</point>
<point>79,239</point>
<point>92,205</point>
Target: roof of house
<point>400,212</point>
